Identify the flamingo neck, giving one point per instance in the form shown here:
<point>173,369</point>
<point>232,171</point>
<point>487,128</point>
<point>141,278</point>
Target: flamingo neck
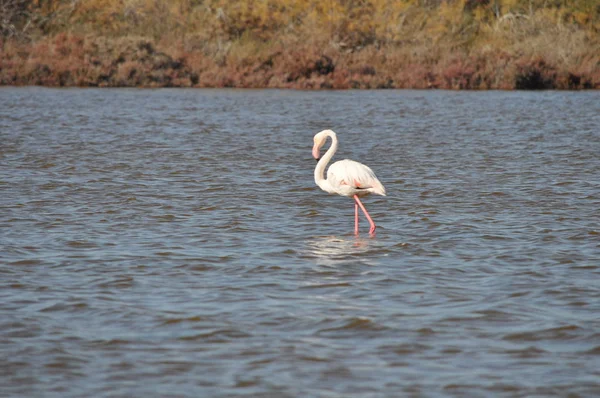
<point>320,179</point>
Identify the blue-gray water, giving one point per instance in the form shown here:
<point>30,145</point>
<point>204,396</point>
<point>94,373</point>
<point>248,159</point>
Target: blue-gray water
<point>173,243</point>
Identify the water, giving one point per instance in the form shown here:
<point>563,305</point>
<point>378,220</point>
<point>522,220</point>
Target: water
<point>173,242</point>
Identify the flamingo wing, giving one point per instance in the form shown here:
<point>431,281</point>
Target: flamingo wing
<point>355,175</point>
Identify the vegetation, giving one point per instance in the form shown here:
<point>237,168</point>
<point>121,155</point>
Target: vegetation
<point>454,44</point>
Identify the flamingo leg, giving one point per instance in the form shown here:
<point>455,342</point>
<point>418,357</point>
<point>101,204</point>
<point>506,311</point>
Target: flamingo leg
<point>358,202</point>
<point>355,218</point>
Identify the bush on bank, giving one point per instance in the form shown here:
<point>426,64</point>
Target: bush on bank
<point>451,44</point>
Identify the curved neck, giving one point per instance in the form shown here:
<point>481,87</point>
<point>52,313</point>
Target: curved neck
<point>320,169</point>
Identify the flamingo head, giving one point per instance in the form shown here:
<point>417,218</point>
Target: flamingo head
<point>319,141</point>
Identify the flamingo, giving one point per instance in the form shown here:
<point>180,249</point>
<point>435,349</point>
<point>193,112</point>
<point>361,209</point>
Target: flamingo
<point>345,177</point>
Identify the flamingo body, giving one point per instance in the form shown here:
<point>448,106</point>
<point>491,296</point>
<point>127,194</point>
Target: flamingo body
<point>353,178</point>
<point>345,177</point>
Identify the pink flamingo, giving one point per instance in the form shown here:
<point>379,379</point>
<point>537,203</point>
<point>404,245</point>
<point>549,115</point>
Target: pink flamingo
<point>345,177</point>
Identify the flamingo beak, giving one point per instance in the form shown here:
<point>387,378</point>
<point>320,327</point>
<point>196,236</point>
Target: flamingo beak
<point>316,152</point>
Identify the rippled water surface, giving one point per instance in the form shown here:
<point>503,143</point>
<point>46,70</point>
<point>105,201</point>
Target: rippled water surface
<point>173,243</point>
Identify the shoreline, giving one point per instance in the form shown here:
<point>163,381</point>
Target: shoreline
<point>77,61</point>
<point>24,86</point>
<point>307,44</point>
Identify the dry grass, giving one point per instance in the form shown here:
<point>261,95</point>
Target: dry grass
<point>452,44</point>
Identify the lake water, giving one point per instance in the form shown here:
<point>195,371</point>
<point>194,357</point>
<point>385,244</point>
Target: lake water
<point>173,243</point>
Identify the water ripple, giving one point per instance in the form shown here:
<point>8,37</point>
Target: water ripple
<point>173,243</point>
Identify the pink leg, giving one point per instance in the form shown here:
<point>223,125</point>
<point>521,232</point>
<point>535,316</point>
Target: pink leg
<point>355,218</point>
<point>372,230</point>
